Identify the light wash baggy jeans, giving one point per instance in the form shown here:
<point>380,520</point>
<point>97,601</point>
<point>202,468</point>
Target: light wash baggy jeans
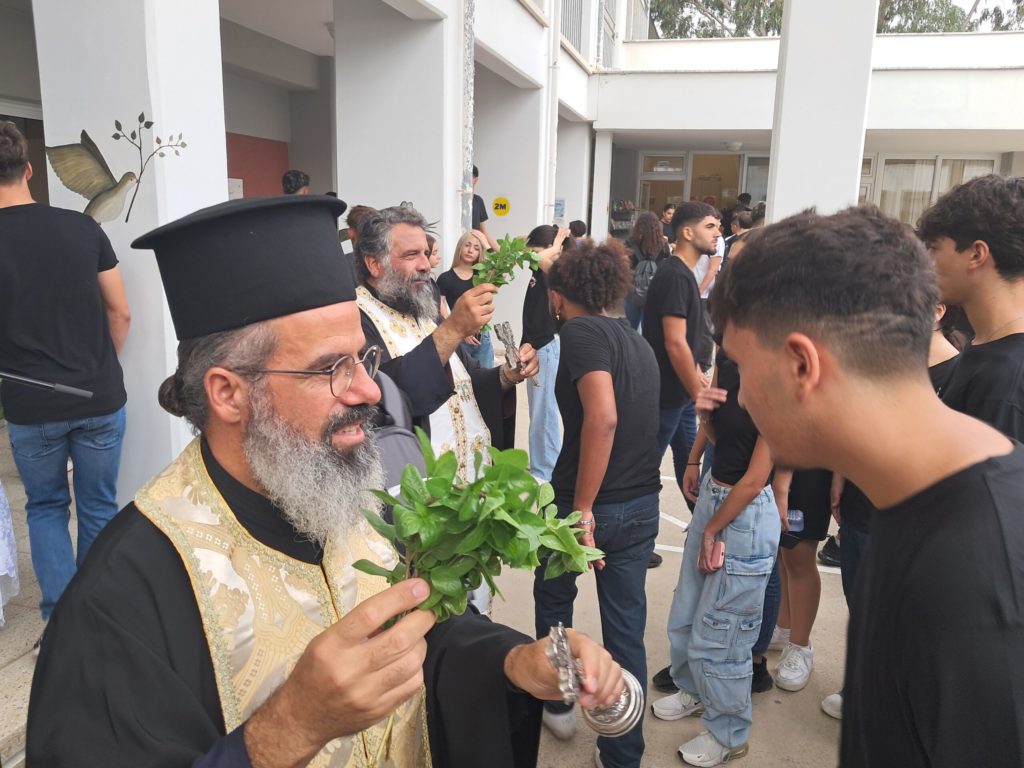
<point>545,421</point>
<point>715,617</point>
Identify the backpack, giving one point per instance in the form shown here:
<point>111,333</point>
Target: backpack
<point>394,433</point>
<point>642,276</point>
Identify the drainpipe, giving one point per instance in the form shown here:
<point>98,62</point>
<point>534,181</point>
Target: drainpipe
<point>554,52</point>
<point>468,79</point>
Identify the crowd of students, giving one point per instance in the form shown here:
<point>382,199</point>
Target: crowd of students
<point>840,310</point>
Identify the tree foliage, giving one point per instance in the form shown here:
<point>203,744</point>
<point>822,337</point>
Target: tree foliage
<point>763,18</point>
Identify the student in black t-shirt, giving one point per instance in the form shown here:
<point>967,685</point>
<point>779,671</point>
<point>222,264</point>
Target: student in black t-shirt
<point>64,317</point>
<point>607,390</point>
<point>717,607</point>
<point>672,324</point>
<point>455,282</point>
<point>975,235</point>
<point>851,508</point>
<point>480,214</point>
<point>541,331</point>
<point>937,624</point>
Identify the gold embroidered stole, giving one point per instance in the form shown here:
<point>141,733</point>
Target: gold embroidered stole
<point>260,608</point>
<point>458,426</point>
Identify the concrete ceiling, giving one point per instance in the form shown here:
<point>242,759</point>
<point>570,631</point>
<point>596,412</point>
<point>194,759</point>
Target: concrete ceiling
<point>305,24</point>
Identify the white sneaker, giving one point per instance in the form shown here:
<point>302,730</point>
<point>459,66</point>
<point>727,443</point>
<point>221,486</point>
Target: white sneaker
<point>561,724</point>
<point>833,705</point>
<point>704,750</point>
<point>780,639</point>
<point>795,667</point>
<point>677,706</point>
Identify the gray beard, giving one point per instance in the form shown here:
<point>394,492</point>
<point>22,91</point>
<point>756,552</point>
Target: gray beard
<point>321,491</point>
<point>406,294</point>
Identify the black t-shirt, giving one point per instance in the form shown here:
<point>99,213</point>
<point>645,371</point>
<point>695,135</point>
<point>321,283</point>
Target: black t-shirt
<point>539,326</point>
<point>479,211</point>
<point>933,672</point>
<point>810,492</point>
<point>854,507</point>
<point>940,374</point>
<point>735,433</point>
<point>673,292</point>
<point>452,286</point>
<point>53,323</point>
<point>667,230</point>
<point>988,384</point>
<point>609,344</point>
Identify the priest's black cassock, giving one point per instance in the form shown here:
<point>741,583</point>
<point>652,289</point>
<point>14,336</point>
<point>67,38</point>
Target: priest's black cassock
<point>125,676</point>
<point>427,383</point>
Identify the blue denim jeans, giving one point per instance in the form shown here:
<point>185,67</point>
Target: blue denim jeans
<point>626,532</point>
<point>634,313</point>
<point>715,617</point>
<point>483,352</point>
<point>677,427</point>
<point>545,421</point>
<point>41,455</point>
<point>770,612</point>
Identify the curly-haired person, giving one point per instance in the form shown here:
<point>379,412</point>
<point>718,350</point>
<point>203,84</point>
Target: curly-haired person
<point>607,391</point>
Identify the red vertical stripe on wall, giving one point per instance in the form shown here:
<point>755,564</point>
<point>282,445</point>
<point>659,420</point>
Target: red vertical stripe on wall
<point>259,163</point>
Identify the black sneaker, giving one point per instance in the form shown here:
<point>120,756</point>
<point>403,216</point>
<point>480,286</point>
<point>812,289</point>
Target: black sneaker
<point>655,560</point>
<point>829,554</point>
<point>762,680</point>
<point>662,681</point>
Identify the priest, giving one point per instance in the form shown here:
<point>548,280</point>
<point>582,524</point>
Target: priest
<point>463,407</point>
<point>218,620</point>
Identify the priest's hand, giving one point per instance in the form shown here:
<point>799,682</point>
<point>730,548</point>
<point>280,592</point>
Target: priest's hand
<point>471,312</point>
<point>351,675</point>
<point>527,667</point>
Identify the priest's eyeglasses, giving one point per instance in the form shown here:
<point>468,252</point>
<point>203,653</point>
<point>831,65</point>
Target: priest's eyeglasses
<point>340,374</point>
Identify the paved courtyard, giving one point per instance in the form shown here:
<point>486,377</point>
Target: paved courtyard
<point>790,730</point>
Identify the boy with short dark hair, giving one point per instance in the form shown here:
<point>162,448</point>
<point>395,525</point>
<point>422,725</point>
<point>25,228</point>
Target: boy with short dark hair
<point>975,235</point>
<point>829,319</point>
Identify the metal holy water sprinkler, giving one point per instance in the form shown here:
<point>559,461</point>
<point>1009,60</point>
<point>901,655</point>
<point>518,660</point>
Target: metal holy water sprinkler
<point>613,720</point>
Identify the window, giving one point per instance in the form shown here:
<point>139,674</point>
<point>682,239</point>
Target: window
<point>953,172</point>
<point>907,186</point>
<point>756,179</point>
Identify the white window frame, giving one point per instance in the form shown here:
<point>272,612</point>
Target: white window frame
<point>881,157</point>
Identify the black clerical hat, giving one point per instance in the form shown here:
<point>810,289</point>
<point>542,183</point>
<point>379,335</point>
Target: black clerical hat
<point>243,261</point>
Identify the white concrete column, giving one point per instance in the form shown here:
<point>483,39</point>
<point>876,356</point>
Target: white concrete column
<point>107,60</point>
<point>1013,164</point>
<point>398,108</point>
<point>601,196</point>
<point>821,100</point>
<point>572,182</point>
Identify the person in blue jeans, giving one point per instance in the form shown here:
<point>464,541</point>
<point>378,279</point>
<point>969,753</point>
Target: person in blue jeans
<point>541,331</point>
<point>41,453</point>
<point>64,317</point>
<point>716,612</point>
<point>607,470</point>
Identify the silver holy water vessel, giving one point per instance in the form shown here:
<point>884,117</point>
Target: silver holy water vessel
<point>613,720</point>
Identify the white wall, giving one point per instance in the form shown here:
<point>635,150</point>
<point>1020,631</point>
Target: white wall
<point>389,108</point>
<point>510,36</point>
<point>174,46</point>
<point>574,91</point>
<point>572,174</point>
<point>312,131</point>
<point>266,58</point>
<point>256,108</point>
<point>507,150</point>
<point>19,74</point>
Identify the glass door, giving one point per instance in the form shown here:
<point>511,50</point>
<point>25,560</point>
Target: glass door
<point>715,179</point>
